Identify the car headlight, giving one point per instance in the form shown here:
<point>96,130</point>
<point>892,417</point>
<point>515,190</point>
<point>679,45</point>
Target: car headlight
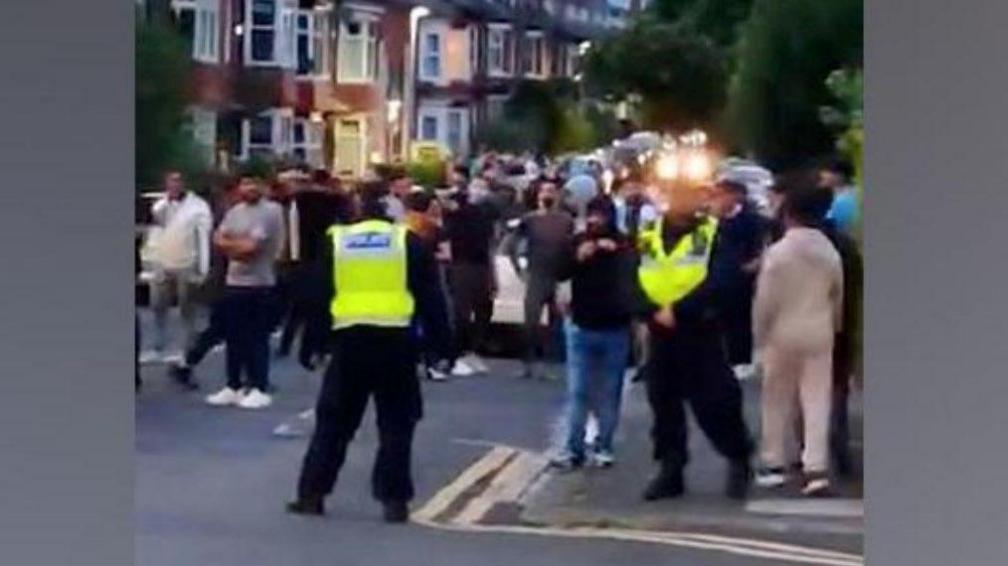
<point>667,167</point>
<point>697,167</point>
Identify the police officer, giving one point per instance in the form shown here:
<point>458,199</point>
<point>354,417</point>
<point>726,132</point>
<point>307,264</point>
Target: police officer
<point>683,279</point>
<point>376,277</point>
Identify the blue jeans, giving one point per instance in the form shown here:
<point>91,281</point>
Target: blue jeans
<point>596,360</point>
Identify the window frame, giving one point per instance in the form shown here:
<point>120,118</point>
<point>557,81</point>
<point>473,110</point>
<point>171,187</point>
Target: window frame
<point>369,36</point>
<point>425,56</point>
<point>503,34</point>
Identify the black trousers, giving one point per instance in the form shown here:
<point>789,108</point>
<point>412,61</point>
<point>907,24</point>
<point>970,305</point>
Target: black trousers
<point>473,304</point>
<point>540,292</point>
<point>366,362</point>
<point>209,337</point>
<point>839,436</point>
<point>248,315</point>
<point>688,365</point>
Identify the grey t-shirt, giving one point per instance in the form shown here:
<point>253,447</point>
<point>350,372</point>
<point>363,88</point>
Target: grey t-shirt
<point>263,222</point>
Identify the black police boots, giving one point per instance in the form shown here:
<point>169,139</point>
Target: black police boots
<point>667,484</point>
<point>312,506</point>
<point>396,511</point>
<point>739,479</point>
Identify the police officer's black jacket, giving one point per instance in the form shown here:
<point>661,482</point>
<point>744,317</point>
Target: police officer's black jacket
<point>422,280</point>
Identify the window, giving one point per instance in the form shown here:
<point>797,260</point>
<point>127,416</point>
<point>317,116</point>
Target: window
<point>455,131</point>
<point>197,22</point>
<point>268,134</point>
<point>499,52</point>
<point>307,143</point>
<point>429,128</point>
<point>262,31</point>
<point>321,50</point>
<point>358,50</point>
<point>260,136</point>
<point>305,43</point>
<point>431,67</point>
<point>533,55</point>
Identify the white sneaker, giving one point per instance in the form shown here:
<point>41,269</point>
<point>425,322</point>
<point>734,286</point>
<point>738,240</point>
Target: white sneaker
<point>744,372</point>
<point>307,415</point>
<point>255,399</point>
<point>603,459</point>
<point>771,477</point>
<point>224,398</point>
<point>816,486</point>
<point>476,363</point>
<point>462,369</point>
<point>436,375</point>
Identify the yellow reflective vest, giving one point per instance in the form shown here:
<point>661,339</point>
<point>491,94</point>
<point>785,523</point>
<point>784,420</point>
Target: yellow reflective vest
<point>667,277</point>
<point>369,270</point>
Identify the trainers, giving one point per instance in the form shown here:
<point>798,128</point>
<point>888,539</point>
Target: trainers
<point>603,459</point>
<point>744,372</point>
<point>476,363</point>
<point>435,375</point>
<point>225,397</point>
<point>771,477</point>
<point>462,369</point>
<point>396,511</point>
<point>816,485</point>
<point>567,461</point>
<point>255,399</point>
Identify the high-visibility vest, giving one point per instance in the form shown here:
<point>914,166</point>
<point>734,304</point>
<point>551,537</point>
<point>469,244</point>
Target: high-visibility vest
<point>369,270</point>
<point>667,277</point>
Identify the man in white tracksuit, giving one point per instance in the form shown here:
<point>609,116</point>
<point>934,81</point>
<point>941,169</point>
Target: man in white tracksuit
<point>181,255</point>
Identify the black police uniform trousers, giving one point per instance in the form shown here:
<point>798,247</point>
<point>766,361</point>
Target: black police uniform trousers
<point>366,362</point>
<point>688,364</point>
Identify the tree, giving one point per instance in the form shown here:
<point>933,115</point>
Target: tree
<point>786,50</point>
<point>679,75</point>
<point>162,70</point>
<point>717,19</point>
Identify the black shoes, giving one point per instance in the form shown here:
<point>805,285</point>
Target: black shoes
<point>183,375</point>
<point>739,479</point>
<point>309,507</point>
<point>396,511</point>
<point>667,484</point>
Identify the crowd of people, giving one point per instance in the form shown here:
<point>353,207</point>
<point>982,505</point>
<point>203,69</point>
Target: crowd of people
<point>689,289</point>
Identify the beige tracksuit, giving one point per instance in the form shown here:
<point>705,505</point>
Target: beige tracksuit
<point>796,312</point>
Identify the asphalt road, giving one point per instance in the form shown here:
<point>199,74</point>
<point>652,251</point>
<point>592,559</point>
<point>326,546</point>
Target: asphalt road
<point>211,483</point>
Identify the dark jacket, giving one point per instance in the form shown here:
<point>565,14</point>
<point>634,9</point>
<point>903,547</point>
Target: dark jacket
<point>846,343</point>
<point>422,281</point>
<point>602,287</point>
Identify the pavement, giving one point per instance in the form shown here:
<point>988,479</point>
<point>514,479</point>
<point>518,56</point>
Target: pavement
<point>211,484</point>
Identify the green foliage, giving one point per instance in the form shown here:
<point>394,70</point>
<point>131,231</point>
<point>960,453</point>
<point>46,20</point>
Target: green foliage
<point>717,19</point>
<point>542,118</point>
<point>162,139</point>
<point>679,74</point>
<point>428,174</point>
<point>786,50</point>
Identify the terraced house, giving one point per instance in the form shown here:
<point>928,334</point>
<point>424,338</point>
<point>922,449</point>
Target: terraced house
<point>344,84</point>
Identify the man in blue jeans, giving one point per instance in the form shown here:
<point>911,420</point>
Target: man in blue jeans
<point>601,269</point>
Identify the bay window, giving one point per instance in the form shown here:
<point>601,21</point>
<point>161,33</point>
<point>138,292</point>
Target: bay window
<point>358,49</point>
<point>312,47</point>
<point>198,22</point>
